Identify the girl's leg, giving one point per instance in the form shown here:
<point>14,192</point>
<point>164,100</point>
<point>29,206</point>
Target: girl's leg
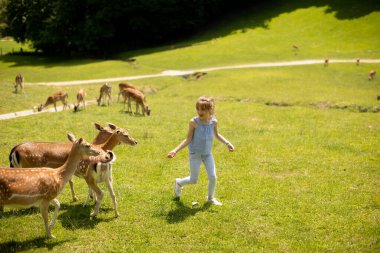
<point>208,160</point>
<point>195,163</point>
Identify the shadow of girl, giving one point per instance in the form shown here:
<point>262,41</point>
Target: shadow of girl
<point>182,212</point>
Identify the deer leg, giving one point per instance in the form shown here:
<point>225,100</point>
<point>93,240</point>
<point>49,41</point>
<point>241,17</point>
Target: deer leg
<point>44,209</point>
<point>72,190</point>
<point>55,106</point>
<point>57,205</point>
<point>129,105</point>
<point>98,193</point>
<point>137,107</point>
<point>108,182</point>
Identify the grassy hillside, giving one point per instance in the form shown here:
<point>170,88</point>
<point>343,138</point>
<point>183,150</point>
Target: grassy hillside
<point>305,173</point>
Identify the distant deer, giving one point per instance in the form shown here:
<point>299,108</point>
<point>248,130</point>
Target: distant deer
<point>122,86</point>
<point>357,61</point>
<point>326,62</point>
<point>371,75</point>
<point>105,92</point>
<point>136,95</point>
<point>81,95</point>
<point>39,154</point>
<point>53,99</point>
<point>19,82</point>
<point>41,186</point>
<point>194,76</point>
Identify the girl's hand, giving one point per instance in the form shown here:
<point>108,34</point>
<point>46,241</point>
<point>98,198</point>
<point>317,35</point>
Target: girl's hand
<point>231,147</point>
<point>171,154</point>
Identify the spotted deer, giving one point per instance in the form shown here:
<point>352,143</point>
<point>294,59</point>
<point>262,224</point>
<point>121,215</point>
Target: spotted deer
<point>41,186</point>
<point>81,95</point>
<point>39,154</point>
<point>19,82</point>
<point>53,99</point>
<point>136,95</point>
<point>50,154</point>
<point>105,93</point>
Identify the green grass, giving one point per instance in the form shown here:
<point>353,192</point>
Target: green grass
<point>305,173</point>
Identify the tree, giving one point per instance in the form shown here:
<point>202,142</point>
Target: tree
<point>98,27</point>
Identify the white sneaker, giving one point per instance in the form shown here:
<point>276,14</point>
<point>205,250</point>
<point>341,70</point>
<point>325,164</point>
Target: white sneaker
<point>214,201</point>
<point>177,188</point>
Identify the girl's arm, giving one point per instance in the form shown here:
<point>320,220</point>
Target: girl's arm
<point>222,139</point>
<point>185,142</point>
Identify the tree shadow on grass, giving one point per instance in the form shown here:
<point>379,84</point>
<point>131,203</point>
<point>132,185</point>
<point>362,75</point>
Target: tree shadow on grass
<point>37,243</point>
<point>182,212</point>
<point>257,15</point>
<point>78,216</point>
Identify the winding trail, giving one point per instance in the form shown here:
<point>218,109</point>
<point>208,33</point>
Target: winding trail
<point>177,73</point>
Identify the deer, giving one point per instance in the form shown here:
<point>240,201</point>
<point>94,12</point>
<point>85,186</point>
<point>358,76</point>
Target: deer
<point>50,154</point>
<point>94,173</point>
<point>326,62</point>
<point>105,91</point>
<point>40,154</point>
<point>122,86</point>
<point>53,99</point>
<point>194,76</point>
<point>19,82</point>
<point>371,75</point>
<point>136,95</point>
<point>41,186</point>
<point>81,95</point>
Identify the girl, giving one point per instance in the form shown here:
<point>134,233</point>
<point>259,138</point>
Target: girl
<point>202,129</point>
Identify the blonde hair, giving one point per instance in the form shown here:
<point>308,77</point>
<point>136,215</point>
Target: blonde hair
<point>206,103</point>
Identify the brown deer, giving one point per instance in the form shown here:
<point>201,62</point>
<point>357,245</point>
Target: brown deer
<point>94,172</point>
<point>37,154</point>
<point>41,186</point>
<point>19,82</point>
<point>105,92</point>
<point>371,75</point>
<point>136,95</point>
<point>49,154</point>
<point>81,95</point>
<point>53,99</point>
<point>326,62</point>
<point>123,86</point>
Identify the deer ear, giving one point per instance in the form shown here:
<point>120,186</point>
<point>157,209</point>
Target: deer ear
<point>112,126</point>
<point>71,137</point>
<point>97,126</point>
<point>80,140</point>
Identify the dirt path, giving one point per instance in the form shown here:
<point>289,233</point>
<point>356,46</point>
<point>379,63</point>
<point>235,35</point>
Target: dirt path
<point>177,73</point>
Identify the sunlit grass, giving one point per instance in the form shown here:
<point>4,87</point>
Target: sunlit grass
<point>304,176</point>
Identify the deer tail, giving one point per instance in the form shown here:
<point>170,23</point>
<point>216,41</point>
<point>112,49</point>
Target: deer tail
<point>14,158</point>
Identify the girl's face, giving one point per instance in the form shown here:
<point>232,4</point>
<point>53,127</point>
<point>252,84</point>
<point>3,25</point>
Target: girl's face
<point>203,113</point>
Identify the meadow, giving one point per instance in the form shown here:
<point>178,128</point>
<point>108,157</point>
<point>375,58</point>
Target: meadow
<point>305,173</point>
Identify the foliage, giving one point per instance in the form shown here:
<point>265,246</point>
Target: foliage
<point>100,26</point>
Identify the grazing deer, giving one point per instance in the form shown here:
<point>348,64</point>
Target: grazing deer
<point>19,82</point>
<point>105,92</point>
<point>50,154</point>
<point>371,75</point>
<point>122,86</point>
<point>37,154</point>
<point>53,99</point>
<point>81,95</point>
<point>136,95</point>
<point>41,186</point>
